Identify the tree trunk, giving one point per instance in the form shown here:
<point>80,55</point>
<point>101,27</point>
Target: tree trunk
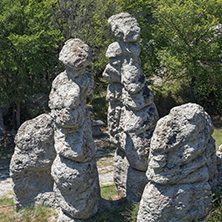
<point>18,112</point>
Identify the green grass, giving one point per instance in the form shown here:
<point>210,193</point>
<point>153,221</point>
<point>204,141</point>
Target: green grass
<point>31,214</point>
<point>108,192</point>
<point>215,214</point>
<point>124,214</point>
<point>217,135</point>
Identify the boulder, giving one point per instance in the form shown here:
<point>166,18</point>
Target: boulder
<point>30,167</point>
<point>125,27</point>
<point>182,157</point>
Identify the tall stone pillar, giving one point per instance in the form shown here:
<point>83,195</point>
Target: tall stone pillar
<point>132,114</point>
<point>74,169</point>
<point>182,167</point>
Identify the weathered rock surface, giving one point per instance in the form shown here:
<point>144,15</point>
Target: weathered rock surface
<point>74,170</point>
<point>182,157</point>
<point>63,217</point>
<point>120,166</point>
<point>125,27</point>
<point>76,55</point>
<point>132,114</point>
<point>184,202</point>
<point>219,166</point>
<point>136,182</point>
<point>31,162</point>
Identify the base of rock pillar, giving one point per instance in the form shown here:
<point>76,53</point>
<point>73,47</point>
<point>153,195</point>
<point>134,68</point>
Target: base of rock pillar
<point>120,165</point>
<point>136,182</point>
<point>63,217</point>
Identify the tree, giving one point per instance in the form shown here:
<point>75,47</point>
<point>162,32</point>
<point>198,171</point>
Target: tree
<point>29,50</point>
<point>184,45</point>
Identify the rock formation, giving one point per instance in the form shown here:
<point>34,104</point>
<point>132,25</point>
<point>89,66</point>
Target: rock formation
<point>219,167</point>
<point>181,168</point>
<point>30,167</point>
<point>132,115</point>
<point>74,169</point>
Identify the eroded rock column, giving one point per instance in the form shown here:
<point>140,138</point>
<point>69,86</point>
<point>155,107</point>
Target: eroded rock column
<point>182,167</point>
<point>132,115</point>
<point>74,169</point>
<point>30,167</point>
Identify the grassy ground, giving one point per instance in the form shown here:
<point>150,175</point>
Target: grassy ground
<point>122,214</point>
<point>31,214</point>
<point>217,135</point>
<point>108,192</point>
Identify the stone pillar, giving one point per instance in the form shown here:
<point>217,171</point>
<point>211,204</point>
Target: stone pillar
<point>219,167</point>
<point>30,167</point>
<point>74,169</point>
<point>132,115</point>
<point>181,169</point>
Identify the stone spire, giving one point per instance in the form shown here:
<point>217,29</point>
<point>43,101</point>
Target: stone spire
<point>74,169</point>
<point>182,170</point>
<point>132,114</point>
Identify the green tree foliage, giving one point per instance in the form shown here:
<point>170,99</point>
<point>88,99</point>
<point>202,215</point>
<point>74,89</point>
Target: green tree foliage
<point>87,20</point>
<point>28,48</point>
<point>182,43</point>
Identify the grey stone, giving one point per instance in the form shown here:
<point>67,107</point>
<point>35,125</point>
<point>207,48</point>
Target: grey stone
<point>64,93</point>
<point>68,175</point>
<point>76,143</point>
<point>76,183</point>
<point>31,162</point>
<point>174,203</point>
<point>111,74</point>
<point>114,50</point>
<point>96,125</point>
<point>120,165</point>
<point>182,157</point>
<point>76,187</point>
<point>75,54</point>
<point>63,217</point>
<point>125,27</point>
<point>136,182</point>
<point>47,199</point>
<point>113,119</point>
<point>219,166</point>
<point>132,114</point>
<point>114,93</point>
<point>137,101</point>
<point>137,149</point>
<point>178,146</point>
<point>132,77</point>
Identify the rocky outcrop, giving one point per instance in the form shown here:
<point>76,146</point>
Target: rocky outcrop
<point>74,169</point>
<point>30,167</point>
<point>132,115</point>
<point>181,168</point>
<point>219,167</point>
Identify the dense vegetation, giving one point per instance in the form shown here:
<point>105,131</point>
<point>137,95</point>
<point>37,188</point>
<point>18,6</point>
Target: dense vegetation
<point>181,47</point>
